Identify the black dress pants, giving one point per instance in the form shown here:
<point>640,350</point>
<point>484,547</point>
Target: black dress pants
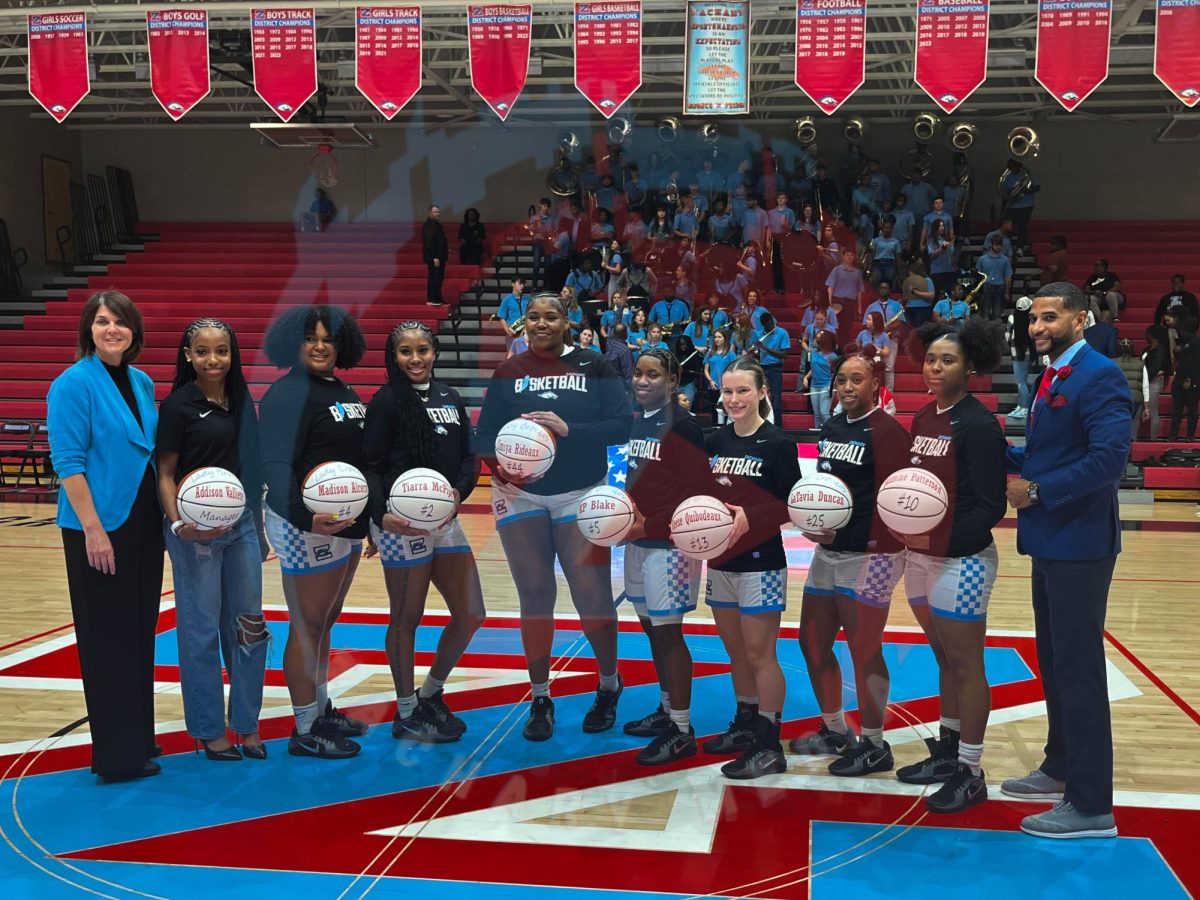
<point>115,617</point>
<point>433,287</point>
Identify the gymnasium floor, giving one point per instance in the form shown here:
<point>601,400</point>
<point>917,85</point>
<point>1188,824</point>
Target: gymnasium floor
<point>496,817</point>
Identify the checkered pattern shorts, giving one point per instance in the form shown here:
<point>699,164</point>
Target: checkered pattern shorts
<point>750,592</point>
<point>953,587</point>
<point>869,578</point>
<point>302,552</point>
<point>398,550</point>
<point>661,583</point>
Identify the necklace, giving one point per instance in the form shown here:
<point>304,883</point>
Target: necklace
<point>223,403</point>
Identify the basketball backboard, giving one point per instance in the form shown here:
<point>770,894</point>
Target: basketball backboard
<point>299,136</point>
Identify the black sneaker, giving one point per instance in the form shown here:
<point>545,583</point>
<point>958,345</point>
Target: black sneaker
<point>653,725</point>
<point>940,765</point>
<point>540,725</point>
<point>963,789</point>
<point>754,763</point>
<point>824,742</point>
<point>424,726</point>
<point>323,741</point>
<point>863,758</point>
<point>346,726</point>
<point>669,746</point>
<point>738,737</point>
<point>603,714</point>
<point>437,705</point>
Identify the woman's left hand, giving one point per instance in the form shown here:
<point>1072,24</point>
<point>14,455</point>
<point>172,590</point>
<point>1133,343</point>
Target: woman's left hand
<point>637,531</point>
<point>371,550</point>
<point>549,420</point>
<point>741,526</point>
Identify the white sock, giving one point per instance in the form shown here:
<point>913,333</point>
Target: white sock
<point>664,700</point>
<point>322,696</point>
<point>836,721</point>
<point>431,686</point>
<point>682,719</point>
<point>746,701</point>
<point>954,725</point>
<point>305,716</point>
<point>874,735</point>
<point>405,706</point>
<point>971,755</point>
<point>610,683</point>
<point>540,690</point>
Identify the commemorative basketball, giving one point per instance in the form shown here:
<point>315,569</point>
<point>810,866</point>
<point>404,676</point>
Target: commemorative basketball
<point>525,449</point>
<point>700,527</point>
<point>336,488</point>
<point>605,515</point>
<point>211,497</point>
<point>820,501</point>
<point>912,501</point>
<point>423,497</point>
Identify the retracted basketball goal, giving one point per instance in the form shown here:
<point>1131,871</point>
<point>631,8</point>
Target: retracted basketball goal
<point>324,139</point>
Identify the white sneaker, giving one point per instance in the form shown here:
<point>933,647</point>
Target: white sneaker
<point>1019,413</point>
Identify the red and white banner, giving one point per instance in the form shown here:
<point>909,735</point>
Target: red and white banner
<point>58,65</point>
<point>178,41</point>
<point>1072,48</point>
<point>498,45</point>
<point>608,53</point>
<point>1176,39</point>
<point>952,38</point>
<point>831,44</point>
<point>284,42</point>
<point>387,55</point>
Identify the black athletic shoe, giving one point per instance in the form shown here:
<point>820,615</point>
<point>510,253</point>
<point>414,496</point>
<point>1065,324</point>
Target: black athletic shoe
<point>863,758</point>
<point>823,742</point>
<point>540,725</point>
<point>443,713</point>
<point>424,726</point>
<point>755,763</point>
<point>322,741</point>
<point>940,765</point>
<point>738,737</point>
<point>653,725</point>
<point>962,790</point>
<point>346,726</point>
<point>673,744</point>
<point>603,714</point>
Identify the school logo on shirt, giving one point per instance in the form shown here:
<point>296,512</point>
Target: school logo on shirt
<point>931,446</point>
<point>746,466</point>
<point>645,448</point>
<point>443,415</point>
<point>848,451</point>
<point>343,411</point>
<point>576,381</point>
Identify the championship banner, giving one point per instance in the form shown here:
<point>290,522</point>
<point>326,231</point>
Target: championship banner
<point>831,44</point>
<point>387,55</point>
<point>717,71</point>
<point>952,37</point>
<point>1176,39</point>
<point>498,46</point>
<point>1072,48</point>
<point>608,53</point>
<point>284,42</point>
<point>178,40</point>
<point>58,69</point>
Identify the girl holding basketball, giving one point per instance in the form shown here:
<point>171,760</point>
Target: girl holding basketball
<point>668,463</point>
<point>578,397</point>
<point>755,466</point>
<point>950,570</point>
<point>209,420</point>
<point>413,422</point>
<point>310,417</point>
<point>853,574</point>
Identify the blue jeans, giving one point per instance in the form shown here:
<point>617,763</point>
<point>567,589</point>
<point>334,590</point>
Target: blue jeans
<point>820,405</point>
<point>218,606</point>
<point>885,270</point>
<point>539,256</point>
<point>775,391</point>
<point>1021,373</point>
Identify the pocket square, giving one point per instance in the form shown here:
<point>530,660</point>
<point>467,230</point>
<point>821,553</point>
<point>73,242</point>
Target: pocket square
<point>1058,400</point>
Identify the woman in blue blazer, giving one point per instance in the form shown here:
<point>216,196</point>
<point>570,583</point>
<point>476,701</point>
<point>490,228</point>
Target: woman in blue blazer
<point>102,420</point>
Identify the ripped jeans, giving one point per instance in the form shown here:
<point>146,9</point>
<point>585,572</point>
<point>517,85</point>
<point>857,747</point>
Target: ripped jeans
<point>218,613</point>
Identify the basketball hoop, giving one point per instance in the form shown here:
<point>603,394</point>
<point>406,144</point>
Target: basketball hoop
<point>324,167</point>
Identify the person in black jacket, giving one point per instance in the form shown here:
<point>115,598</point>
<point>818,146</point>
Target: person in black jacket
<point>472,237</point>
<point>307,418</point>
<point>1178,296</point>
<point>413,422</point>
<point>434,251</point>
<point>1185,388</point>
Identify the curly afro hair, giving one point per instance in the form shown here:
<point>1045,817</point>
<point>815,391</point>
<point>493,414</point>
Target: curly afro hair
<point>286,335</point>
<point>981,340</point>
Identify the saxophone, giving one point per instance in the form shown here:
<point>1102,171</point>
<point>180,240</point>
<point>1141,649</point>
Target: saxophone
<point>973,294</point>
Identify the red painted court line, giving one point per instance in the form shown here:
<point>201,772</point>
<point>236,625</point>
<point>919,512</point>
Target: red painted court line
<point>1154,679</point>
<point>34,637</point>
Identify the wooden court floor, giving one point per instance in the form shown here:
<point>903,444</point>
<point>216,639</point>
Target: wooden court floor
<point>1153,628</point>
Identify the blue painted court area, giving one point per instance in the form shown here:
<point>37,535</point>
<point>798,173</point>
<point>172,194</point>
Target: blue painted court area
<point>945,862</point>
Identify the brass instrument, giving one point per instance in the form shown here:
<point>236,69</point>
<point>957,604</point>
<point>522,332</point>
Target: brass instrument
<point>1023,142</point>
<point>668,130</point>
<point>672,193</point>
<point>518,326</point>
<point>974,293</point>
<point>563,179</point>
<point>617,130</point>
<point>854,131</point>
<point>925,126</point>
<point>806,131</point>
<point>962,136</point>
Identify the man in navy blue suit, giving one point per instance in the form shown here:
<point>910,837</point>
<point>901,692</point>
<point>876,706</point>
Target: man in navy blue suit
<point>1077,441</point>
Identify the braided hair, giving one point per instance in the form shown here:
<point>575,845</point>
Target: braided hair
<point>236,390</point>
<point>417,433</point>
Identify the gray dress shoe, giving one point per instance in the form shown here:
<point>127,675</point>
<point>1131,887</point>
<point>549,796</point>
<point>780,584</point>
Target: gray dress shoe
<point>1065,822</point>
<point>1037,785</point>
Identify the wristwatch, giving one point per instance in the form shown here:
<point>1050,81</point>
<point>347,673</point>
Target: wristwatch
<point>1032,493</point>
<point>176,525</point>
